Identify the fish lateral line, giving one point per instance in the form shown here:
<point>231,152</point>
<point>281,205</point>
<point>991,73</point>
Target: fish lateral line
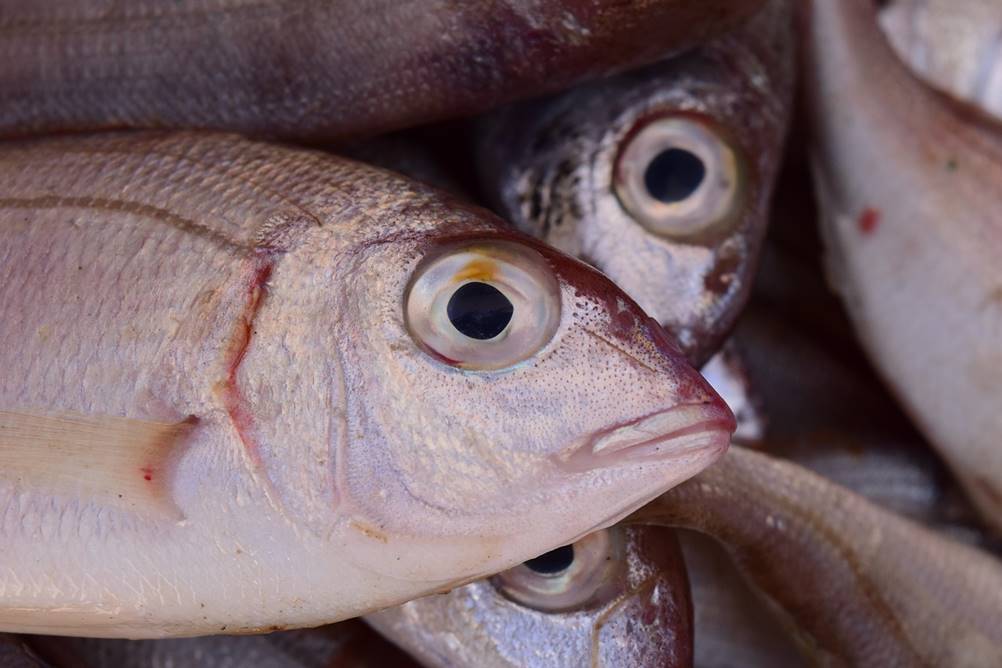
<point>118,462</point>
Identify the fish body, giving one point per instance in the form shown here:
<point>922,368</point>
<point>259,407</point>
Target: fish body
<point>955,45</point>
<point>857,584</point>
<point>660,177</point>
<point>249,387</point>
<point>316,69</point>
<point>908,188</point>
<point>619,597</point>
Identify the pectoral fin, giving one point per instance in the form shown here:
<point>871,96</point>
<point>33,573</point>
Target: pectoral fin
<point>113,461</point>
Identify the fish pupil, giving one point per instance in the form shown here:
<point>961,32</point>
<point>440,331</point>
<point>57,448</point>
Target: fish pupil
<point>479,310</point>
<point>673,175</point>
<point>553,562</point>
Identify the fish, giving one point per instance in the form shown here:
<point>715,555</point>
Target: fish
<point>250,387</point>
<point>660,177</point>
<point>317,70</point>
<point>908,189</point>
<point>953,45</point>
<point>857,584</point>
<point>348,644</point>
<point>617,597</point>
<point>733,625</point>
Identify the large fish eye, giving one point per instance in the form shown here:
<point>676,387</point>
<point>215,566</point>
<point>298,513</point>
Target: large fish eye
<point>679,177</point>
<point>572,577</point>
<point>483,305</point>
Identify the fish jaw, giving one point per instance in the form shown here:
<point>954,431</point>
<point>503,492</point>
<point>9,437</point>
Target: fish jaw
<point>912,249</point>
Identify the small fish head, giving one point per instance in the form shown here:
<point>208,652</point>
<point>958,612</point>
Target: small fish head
<point>617,597</point>
<point>504,398</point>
<point>660,178</point>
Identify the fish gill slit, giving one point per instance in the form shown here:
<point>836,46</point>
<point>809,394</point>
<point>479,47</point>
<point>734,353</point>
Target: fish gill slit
<point>233,398</point>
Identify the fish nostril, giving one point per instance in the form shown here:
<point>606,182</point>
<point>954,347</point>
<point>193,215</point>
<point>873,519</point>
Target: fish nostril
<point>552,562</point>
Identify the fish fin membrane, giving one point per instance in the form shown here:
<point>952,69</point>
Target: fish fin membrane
<point>110,461</point>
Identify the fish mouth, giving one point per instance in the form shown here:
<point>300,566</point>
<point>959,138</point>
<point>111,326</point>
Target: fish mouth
<point>676,433</point>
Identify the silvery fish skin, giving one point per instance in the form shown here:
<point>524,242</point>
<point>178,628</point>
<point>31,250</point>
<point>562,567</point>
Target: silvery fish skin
<point>955,45</point>
<point>237,396</point>
<point>913,249</point>
<point>859,585</point>
<point>661,177</point>
<point>315,69</point>
<point>349,644</point>
<point>618,597</point>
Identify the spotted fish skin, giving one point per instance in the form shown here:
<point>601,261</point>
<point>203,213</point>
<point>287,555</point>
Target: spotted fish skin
<point>238,310</point>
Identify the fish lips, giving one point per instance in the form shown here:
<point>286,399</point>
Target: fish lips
<point>677,433</point>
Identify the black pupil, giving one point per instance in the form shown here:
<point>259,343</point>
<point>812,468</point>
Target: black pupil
<point>673,175</point>
<point>479,310</point>
<point>553,561</point>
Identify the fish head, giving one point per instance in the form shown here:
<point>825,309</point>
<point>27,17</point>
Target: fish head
<point>617,597</point>
<point>660,177</point>
<point>501,398</point>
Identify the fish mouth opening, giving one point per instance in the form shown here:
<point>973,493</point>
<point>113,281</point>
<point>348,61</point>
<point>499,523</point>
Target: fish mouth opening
<point>676,433</point>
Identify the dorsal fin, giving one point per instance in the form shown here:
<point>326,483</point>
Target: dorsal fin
<point>113,461</point>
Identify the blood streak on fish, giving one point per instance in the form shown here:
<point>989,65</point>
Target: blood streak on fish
<point>235,405</point>
<point>868,221</point>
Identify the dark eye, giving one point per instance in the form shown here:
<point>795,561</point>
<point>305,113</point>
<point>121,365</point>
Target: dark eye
<point>479,310</point>
<point>571,577</point>
<point>553,561</point>
<point>679,177</point>
<point>483,305</point>
<point>674,175</point>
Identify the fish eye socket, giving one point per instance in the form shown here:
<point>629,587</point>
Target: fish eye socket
<point>572,577</point>
<point>679,177</point>
<point>483,305</point>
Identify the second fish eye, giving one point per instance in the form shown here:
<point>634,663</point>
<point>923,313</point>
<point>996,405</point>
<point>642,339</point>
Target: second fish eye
<point>573,577</point>
<point>679,177</point>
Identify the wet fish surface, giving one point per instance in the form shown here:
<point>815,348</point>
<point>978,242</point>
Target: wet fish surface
<point>859,585</point>
<point>250,387</point>
<point>661,177</point>
<point>618,597</point>
<point>955,45</point>
<point>316,69</point>
<point>913,237</point>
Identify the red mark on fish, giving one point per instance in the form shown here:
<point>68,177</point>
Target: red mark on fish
<point>147,473</point>
<point>868,220</point>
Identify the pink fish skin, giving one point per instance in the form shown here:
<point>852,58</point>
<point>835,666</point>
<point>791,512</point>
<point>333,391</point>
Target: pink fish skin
<point>909,184</point>
<point>274,329</point>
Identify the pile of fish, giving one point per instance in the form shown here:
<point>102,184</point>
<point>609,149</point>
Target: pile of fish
<point>544,334</point>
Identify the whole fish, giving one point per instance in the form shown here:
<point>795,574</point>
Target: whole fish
<point>859,585</point>
<point>661,177</point>
<point>315,68</point>
<point>348,644</point>
<point>617,597</point>
<point>248,387</point>
<point>909,190</point>
<point>955,45</point>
